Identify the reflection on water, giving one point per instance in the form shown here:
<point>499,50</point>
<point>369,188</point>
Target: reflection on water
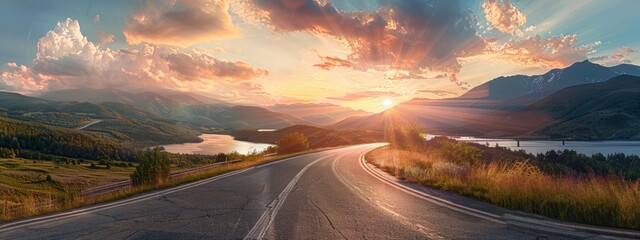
<point>216,143</point>
<point>585,147</point>
<point>267,130</point>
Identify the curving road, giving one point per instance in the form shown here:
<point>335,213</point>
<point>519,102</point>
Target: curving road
<point>88,124</point>
<point>324,195</point>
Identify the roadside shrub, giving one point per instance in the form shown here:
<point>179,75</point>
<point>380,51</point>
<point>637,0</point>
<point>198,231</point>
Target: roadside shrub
<point>461,153</point>
<point>294,142</point>
<point>270,149</point>
<point>153,169</point>
<point>221,157</point>
<point>406,136</point>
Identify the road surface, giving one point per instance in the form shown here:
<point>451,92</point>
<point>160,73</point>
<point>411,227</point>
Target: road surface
<point>88,124</point>
<point>324,195</point>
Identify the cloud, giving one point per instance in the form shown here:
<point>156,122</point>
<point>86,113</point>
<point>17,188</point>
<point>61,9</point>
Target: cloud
<point>535,51</point>
<point>180,22</point>
<point>364,94</point>
<point>66,59</point>
<point>530,28</point>
<point>329,63</point>
<point>621,55</point>
<point>196,66</point>
<point>96,19</point>
<point>502,15</point>
<point>413,36</point>
<point>104,38</point>
<point>440,93</point>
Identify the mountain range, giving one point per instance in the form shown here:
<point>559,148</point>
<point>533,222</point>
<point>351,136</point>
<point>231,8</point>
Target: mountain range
<point>318,113</point>
<point>558,104</point>
<point>209,112</point>
<point>512,87</point>
<point>182,107</point>
<point>514,106</point>
<point>606,110</point>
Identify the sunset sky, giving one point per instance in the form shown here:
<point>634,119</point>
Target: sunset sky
<point>348,52</point>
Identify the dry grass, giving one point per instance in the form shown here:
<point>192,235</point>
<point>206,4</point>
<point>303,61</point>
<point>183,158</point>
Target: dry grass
<point>68,197</point>
<point>607,201</point>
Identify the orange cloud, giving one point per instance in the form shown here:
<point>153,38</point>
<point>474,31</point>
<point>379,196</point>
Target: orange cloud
<point>504,16</point>
<point>557,51</point>
<point>413,36</point>
<point>620,56</point>
<point>180,22</point>
<point>329,63</point>
<point>197,66</point>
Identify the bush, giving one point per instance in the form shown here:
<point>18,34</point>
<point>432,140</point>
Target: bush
<point>49,179</point>
<point>221,157</point>
<point>407,136</point>
<point>7,153</point>
<point>294,142</point>
<point>153,169</point>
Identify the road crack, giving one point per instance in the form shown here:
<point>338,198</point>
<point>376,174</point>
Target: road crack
<point>328,219</point>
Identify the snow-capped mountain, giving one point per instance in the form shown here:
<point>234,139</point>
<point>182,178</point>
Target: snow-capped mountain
<point>512,87</point>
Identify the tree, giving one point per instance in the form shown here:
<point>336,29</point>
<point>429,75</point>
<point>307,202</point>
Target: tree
<point>294,142</point>
<point>7,153</point>
<point>221,157</point>
<point>153,169</point>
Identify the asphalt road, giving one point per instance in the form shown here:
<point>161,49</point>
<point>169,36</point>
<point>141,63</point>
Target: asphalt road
<point>324,195</point>
<point>88,124</point>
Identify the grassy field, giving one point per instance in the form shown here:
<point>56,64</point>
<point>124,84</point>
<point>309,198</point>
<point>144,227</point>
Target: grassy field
<point>606,201</point>
<point>26,180</point>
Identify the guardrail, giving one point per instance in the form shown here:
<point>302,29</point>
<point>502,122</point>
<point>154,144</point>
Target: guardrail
<point>113,187</point>
<point>126,184</point>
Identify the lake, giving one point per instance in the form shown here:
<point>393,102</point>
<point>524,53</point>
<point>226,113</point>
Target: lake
<point>539,146</point>
<point>216,143</point>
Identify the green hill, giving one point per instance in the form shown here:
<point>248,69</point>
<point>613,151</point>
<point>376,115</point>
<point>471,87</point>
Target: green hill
<point>122,122</point>
<point>32,140</point>
<point>607,110</point>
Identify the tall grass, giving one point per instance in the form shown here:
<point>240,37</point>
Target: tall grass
<point>27,204</point>
<point>607,201</point>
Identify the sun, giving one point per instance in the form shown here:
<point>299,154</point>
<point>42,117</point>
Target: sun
<point>387,102</point>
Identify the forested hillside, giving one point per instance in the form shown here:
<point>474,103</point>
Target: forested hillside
<point>31,140</point>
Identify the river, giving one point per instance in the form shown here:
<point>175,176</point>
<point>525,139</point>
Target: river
<point>539,146</point>
<point>216,143</point>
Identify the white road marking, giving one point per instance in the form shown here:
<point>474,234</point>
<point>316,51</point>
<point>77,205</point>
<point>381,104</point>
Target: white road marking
<point>376,204</point>
<point>263,223</point>
<point>524,222</point>
<point>83,211</point>
<point>439,201</point>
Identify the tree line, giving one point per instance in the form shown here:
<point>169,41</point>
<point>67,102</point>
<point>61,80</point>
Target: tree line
<point>25,139</point>
<point>565,162</point>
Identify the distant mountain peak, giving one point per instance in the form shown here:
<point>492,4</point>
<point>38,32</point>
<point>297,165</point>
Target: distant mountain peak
<point>518,86</point>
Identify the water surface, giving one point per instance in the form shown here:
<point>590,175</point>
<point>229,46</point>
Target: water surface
<point>541,146</point>
<point>216,143</point>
